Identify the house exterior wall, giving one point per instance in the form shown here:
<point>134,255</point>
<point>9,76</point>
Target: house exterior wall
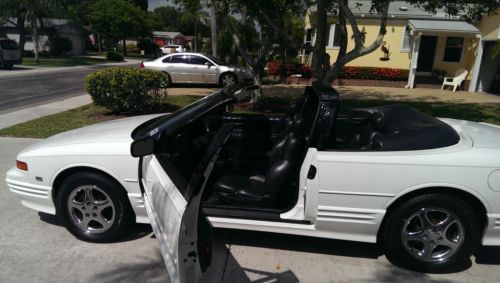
<point>467,59</point>
<point>394,39</point>
<point>400,58</point>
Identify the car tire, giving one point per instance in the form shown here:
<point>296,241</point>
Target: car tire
<point>169,80</point>
<point>228,79</point>
<point>93,207</point>
<point>431,233</point>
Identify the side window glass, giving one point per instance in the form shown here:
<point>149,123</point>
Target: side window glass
<point>179,59</point>
<point>167,60</point>
<point>197,60</point>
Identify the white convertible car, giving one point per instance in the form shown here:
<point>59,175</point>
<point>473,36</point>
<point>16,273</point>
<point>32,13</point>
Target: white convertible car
<point>426,189</point>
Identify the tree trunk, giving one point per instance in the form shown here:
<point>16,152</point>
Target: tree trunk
<point>36,39</point>
<point>22,38</point>
<point>257,79</point>
<point>359,48</point>
<point>320,42</point>
<point>213,27</point>
<point>196,35</point>
<point>99,43</point>
<point>124,48</point>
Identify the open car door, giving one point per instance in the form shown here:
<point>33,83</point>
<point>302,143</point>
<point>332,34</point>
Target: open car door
<point>181,229</point>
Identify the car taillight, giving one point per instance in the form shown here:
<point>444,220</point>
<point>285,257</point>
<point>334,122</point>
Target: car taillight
<point>22,165</point>
<point>141,66</point>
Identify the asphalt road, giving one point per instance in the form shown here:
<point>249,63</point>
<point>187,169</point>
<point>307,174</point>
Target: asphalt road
<point>33,89</point>
<point>34,247</point>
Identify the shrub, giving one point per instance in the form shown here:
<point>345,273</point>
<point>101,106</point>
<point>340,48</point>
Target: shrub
<point>127,90</point>
<point>60,45</point>
<point>372,73</point>
<point>114,56</point>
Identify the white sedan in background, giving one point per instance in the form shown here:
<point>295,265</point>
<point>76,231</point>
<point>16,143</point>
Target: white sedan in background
<point>427,189</point>
<point>199,68</point>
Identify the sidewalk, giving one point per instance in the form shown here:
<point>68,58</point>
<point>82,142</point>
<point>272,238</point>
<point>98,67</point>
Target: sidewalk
<point>24,115</point>
<point>20,70</point>
<point>396,94</point>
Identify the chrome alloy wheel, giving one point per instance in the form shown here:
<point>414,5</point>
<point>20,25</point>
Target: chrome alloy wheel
<point>228,79</point>
<point>432,234</point>
<point>91,209</point>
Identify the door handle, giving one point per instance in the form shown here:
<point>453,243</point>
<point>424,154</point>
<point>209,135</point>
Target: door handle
<point>312,172</point>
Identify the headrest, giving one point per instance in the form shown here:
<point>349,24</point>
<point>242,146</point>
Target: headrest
<point>378,121</point>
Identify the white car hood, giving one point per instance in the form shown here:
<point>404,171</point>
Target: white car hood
<point>106,132</point>
<point>483,135</point>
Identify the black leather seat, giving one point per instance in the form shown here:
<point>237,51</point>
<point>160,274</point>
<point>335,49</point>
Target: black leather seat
<point>262,189</point>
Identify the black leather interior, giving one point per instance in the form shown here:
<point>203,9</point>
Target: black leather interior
<point>262,188</point>
<point>401,127</point>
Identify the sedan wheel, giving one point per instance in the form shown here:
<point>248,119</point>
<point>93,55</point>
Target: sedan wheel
<point>93,207</point>
<point>228,79</point>
<point>431,233</point>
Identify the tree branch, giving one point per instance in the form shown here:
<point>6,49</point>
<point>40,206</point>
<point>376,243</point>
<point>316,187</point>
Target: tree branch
<point>381,33</point>
<point>276,28</point>
<point>354,24</point>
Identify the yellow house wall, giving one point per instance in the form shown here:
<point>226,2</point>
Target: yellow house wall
<point>490,26</point>
<point>466,62</point>
<point>394,39</point>
<point>402,59</point>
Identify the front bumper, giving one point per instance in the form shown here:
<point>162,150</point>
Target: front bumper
<point>34,196</point>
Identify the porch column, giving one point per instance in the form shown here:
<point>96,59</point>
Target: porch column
<point>414,61</point>
<point>477,66</point>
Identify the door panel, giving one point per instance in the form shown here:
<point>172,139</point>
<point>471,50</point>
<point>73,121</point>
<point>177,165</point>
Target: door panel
<point>202,73</point>
<point>182,231</point>
<point>426,53</point>
<point>179,69</point>
<point>163,201</point>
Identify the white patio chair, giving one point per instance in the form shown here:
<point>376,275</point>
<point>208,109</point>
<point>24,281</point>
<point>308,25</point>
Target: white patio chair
<point>457,80</point>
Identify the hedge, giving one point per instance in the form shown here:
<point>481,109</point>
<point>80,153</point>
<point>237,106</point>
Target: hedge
<point>127,90</point>
<point>373,73</point>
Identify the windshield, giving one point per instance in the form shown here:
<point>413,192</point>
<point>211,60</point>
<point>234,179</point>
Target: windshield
<point>215,60</point>
<point>176,119</point>
<point>8,45</point>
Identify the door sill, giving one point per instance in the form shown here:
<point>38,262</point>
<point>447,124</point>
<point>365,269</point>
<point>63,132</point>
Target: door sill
<point>248,213</point>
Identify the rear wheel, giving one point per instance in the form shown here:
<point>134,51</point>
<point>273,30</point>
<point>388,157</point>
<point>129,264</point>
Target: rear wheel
<point>431,233</point>
<point>228,79</point>
<point>93,207</point>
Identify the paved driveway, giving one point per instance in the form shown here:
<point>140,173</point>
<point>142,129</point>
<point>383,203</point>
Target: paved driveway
<point>35,248</point>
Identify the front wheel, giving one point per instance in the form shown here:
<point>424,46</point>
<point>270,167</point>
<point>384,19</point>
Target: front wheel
<point>228,79</point>
<point>93,207</point>
<point>431,233</point>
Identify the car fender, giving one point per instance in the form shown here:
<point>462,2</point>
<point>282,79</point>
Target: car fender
<point>92,166</point>
<point>440,185</point>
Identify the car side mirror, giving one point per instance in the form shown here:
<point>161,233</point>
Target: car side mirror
<point>208,64</point>
<point>142,147</point>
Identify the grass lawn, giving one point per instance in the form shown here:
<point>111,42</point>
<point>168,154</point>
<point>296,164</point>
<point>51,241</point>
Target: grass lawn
<point>90,114</point>
<point>79,117</point>
<point>63,61</point>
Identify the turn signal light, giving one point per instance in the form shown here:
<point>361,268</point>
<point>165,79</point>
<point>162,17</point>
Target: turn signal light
<point>22,165</point>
